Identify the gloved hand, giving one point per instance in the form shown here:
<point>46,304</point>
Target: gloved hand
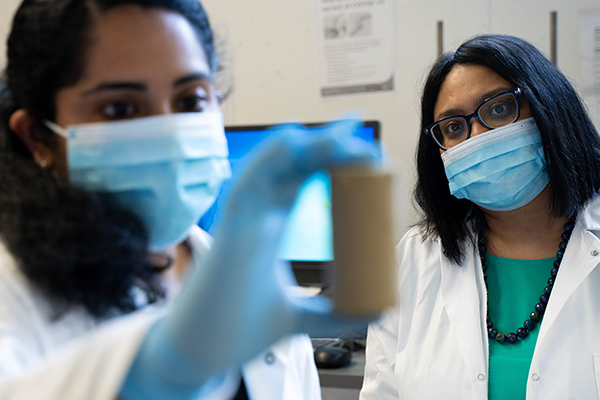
<point>234,303</point>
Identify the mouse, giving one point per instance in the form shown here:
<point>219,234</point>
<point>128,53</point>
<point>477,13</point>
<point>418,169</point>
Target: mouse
<point>332,357</point>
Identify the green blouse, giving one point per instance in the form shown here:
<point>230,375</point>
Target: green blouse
<point>514,288</point>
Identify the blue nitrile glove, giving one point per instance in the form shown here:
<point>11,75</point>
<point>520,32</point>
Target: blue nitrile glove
<point>234,303</point>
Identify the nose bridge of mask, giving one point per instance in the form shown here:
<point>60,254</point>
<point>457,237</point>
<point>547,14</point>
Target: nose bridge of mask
<point>492,144</point>
<point>190,136</point>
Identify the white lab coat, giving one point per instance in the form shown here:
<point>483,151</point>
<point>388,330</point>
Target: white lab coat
<point>76,358</point>
<point>434,344</point>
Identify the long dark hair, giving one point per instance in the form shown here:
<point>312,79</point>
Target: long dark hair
<point>75,247</point>
<point>570,140</point>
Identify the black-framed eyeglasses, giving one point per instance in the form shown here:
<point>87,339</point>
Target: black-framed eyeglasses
<point>495,112</point>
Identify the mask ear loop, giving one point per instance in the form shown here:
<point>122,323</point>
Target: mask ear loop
<point>59,130</point>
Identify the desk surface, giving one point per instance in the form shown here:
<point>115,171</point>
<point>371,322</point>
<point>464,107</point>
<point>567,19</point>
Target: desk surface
<point>349,377</point>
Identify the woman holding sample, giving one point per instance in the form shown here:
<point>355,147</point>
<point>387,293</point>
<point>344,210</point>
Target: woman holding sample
<point>112,148</point>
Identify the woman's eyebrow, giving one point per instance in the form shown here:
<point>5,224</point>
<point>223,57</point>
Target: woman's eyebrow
<point>117,86</point>
<point>492,93</point>
<point>480,100</point>
<point>449,113</point>
<point>191,77</point>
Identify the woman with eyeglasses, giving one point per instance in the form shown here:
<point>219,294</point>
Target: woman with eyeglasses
<point>112,147</point>
<point>499,284</point>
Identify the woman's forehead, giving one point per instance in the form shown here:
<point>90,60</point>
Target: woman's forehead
<point>131,42</point>
<point>465,86</point>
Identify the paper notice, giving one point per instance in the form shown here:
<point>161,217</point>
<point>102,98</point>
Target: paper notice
<point>357,45</point>
<point>590,62</point>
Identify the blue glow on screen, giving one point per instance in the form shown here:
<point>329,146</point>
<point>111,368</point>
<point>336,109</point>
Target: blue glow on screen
<point>309,231</point>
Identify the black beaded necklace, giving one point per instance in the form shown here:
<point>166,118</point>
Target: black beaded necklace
<point>536,316</point>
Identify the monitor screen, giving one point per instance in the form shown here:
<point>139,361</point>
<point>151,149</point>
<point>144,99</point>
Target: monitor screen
<point>309,233</point>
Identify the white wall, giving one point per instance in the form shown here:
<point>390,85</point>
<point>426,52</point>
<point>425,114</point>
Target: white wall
<point>275,60</point>
<point>7,10</point>
<point>273,45</point>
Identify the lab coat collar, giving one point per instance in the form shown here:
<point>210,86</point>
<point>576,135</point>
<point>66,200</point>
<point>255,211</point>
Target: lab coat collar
<point>589,216</point>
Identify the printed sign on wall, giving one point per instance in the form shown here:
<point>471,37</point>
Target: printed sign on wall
<point>357,45</point>
<point>590,62</point>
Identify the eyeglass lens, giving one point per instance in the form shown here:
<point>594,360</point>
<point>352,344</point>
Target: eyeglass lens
<point>494,113</point>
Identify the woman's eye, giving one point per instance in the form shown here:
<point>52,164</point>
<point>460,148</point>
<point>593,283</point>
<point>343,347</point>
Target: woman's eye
<point>192,104</point>
<point>119,110</point>
<point>453,127</point>
<point>498,109</point>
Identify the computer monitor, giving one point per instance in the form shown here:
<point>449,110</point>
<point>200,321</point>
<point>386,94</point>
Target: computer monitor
<point>308,238</point>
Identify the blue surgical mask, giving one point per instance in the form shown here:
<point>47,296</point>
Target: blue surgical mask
<point>499,170</point>
<point>167,170</point>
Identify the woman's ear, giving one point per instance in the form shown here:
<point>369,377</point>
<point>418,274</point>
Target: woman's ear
<point>35,138</point>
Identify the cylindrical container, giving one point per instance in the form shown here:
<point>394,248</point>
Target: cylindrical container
<point>364,275</point>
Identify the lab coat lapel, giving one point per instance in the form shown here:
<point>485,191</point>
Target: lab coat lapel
<point>464,299</point>
<point>578,262</point>
<point>265,376</point>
